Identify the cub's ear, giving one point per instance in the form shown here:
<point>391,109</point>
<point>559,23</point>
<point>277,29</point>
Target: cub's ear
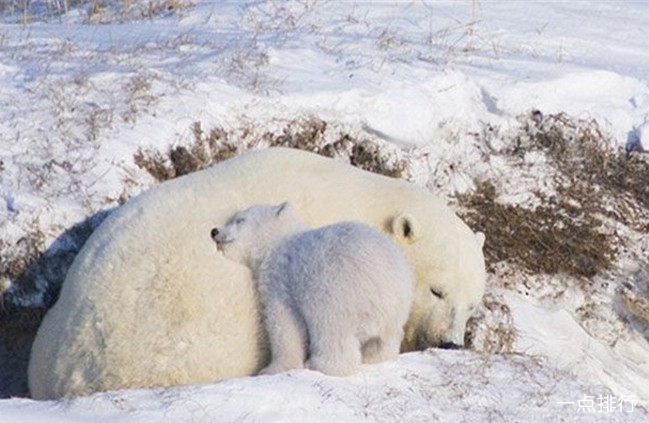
<point>282,208</point>
<point>480,238</point>
<point>406,228</point>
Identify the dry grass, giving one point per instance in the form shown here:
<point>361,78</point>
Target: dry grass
<point>571,231</point>
<point>634,295</point>
<point>306,133</point>
<point>638,307</point>
<point>16,258</point>
<point>554,237</point>
<point>491,329</point>
<point>592,168</point>
<point>96,11</point>
<point>31,267</point>
<point>206,149</point>
<point>139,95</point>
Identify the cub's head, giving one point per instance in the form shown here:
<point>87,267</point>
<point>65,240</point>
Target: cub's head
<point>248,235</point>
<point>450,279</point>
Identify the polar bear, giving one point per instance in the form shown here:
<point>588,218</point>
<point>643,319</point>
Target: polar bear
<point>338,295</point>
<point>146,303</point>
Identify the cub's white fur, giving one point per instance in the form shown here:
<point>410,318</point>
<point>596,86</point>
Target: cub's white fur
<point>338,295</point>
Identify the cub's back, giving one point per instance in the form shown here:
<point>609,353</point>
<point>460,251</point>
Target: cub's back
<point>339,260</point>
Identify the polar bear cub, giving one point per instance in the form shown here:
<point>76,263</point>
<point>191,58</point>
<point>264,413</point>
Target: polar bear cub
<point>336,296</point>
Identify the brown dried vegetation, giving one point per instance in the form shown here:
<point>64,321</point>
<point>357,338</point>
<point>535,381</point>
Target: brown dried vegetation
<point>568,232</point>
<point>591,167</point>
<point>555,237</point>
<point>308,134</point>
<point>491,329</point>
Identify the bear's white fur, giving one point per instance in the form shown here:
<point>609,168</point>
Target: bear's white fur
<point>338,295</point>
<point>148,302</point>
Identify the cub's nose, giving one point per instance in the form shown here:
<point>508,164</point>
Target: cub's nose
<point>214,233</point>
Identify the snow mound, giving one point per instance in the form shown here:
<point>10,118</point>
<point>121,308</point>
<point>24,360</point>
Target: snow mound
<point>419,387</point>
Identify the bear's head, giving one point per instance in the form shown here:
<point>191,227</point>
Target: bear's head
<point>450,282</point>
<point>247,236</point>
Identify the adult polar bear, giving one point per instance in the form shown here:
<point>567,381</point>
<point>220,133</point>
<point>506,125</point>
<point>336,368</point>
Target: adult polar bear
<point>148,302</point>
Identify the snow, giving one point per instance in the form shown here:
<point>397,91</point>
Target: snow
<point>78,99</point>
<point>433,386</point>
<point>557,335</point>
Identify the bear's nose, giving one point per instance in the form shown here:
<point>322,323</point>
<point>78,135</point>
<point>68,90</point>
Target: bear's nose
<point>450,346</point>
<point>214,233</point>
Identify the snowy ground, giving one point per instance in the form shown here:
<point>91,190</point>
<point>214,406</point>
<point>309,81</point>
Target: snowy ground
<point>437,386</point>
<point>82,91</point>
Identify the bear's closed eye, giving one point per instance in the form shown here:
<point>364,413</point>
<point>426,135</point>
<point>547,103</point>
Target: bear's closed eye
<point>437,293</point>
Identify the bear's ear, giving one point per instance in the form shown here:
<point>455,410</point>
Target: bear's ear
<point>282,208</point>
<point>480,238</point>
<point>406,228</point>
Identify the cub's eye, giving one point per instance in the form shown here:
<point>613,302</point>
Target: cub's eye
<point>239,220</point>
<point>437,293</point>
